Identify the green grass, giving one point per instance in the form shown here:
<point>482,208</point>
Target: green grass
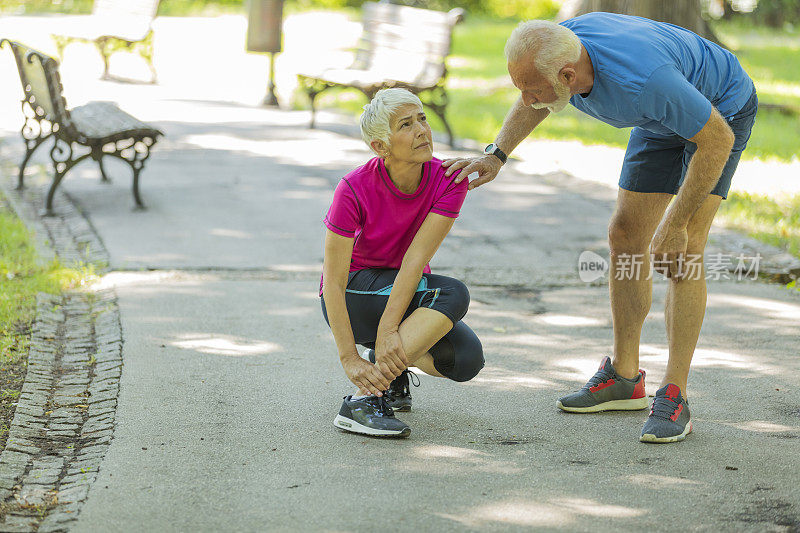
<point>772,58</point>
<point>774,222</point>
<point>481,91</point>
<point>22,276</point>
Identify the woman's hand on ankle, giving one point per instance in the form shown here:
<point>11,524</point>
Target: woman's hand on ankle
<point>390,357</point>
<point>365,375</point>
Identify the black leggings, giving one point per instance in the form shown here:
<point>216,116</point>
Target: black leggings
<point>458,355</point>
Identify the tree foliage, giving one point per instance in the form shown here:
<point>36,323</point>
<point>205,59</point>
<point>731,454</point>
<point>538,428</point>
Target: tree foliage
<point>777,13</point>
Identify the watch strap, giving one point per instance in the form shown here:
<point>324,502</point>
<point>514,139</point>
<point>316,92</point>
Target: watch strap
<point>497,152</point>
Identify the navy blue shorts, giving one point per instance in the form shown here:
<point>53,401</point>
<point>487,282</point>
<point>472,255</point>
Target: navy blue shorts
<point>658,163</point>
<point>458,355</point>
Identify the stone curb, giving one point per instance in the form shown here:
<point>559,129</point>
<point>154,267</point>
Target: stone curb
<point>64,420</point>
<point>68,235</point>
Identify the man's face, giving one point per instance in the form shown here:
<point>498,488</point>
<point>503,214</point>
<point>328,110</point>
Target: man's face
<point>535,90</point>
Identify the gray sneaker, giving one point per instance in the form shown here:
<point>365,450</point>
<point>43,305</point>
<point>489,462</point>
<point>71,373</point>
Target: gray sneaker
<point>669,419</point>
<point>607,391</point>
<point>398,396</point>
<point>370,416</point>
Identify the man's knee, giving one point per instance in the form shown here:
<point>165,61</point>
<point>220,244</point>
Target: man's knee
<point>626,236</point>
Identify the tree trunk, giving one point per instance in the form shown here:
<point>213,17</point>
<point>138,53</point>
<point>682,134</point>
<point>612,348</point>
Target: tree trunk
<point>684,13</point>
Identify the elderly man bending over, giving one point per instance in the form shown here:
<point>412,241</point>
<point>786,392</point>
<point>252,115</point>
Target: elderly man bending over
<point>692,108</point>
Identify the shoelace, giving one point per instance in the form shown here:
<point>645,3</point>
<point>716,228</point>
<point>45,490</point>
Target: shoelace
<point>412,376</point>
<point>404,387</point>
<point>601,376</point>
<point>381,406</point>
<point>664,407</point>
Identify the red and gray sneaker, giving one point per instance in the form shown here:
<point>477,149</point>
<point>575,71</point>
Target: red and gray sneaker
<point>607,391</point>
<point>669,419</point>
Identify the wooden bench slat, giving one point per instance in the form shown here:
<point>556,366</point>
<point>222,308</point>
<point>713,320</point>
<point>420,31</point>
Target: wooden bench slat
<point>367,78</point>
<point>404,14</point>
<point>36,83</point>
<point>399,33</point>
<point>428,50</point>
<point>99,120</point>
<point>437,27</point>
<point>435,32</point>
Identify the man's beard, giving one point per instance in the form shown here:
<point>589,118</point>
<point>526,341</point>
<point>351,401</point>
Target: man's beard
<point>562,99</point>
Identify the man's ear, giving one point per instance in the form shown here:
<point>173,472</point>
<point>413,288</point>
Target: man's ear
<point>567,75</point>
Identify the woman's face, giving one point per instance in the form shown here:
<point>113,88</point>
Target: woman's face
<point>410,135</point>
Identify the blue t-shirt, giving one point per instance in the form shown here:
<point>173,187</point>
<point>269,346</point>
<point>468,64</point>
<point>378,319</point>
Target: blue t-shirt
<point>657,76</point>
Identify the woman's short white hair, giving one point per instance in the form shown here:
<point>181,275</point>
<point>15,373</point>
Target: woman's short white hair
<point>549,45</point>
<point>377,113</point>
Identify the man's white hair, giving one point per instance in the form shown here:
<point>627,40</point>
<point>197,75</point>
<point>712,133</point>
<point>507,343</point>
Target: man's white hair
<point>377,113</point>
<point>549,45</point>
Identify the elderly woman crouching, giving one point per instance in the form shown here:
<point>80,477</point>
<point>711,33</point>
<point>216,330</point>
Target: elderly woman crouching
<point>386,221</point>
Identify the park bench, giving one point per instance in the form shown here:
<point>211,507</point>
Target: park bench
<point>115,25</point>
<point>100,127</point>
<point>400,46</point>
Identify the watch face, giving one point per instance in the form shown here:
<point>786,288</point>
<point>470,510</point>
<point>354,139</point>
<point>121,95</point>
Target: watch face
<point>489,149</point>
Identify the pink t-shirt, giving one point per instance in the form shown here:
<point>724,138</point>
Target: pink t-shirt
<point>383,220</point>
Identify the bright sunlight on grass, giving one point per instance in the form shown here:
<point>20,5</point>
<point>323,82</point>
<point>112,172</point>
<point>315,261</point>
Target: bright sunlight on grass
<point>774,222</point>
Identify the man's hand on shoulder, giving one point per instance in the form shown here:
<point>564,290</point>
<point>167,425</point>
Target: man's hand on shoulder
<point>487,167</point>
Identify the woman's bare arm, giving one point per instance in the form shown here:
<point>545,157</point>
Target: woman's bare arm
<point>335,270</point>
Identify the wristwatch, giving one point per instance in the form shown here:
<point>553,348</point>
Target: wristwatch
<point>492,149</point>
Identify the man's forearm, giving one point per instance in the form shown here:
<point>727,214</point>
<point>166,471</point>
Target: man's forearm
<point>705,169</point>
<point>518,124</point>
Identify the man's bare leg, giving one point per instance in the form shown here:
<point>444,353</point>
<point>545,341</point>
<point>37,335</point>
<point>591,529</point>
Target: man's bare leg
<point>629,234</point>
<point>686,299</point>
